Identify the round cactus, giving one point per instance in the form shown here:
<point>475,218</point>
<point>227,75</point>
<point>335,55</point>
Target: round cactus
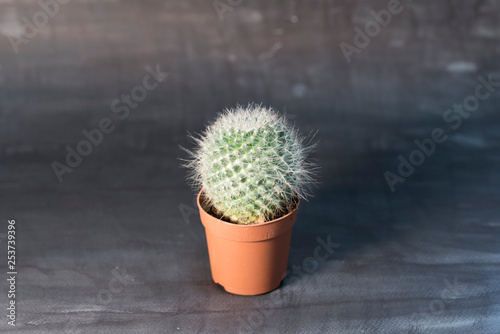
<point>251,165</point>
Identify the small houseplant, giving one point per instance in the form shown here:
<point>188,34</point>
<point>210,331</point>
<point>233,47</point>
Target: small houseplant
<point>251,169</point>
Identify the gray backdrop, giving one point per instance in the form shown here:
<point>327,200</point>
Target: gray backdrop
<point>117,246</point>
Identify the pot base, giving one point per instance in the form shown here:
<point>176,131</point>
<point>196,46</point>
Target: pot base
<point>241,292</point>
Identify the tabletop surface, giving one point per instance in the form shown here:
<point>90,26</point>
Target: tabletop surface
<point>117,246</point>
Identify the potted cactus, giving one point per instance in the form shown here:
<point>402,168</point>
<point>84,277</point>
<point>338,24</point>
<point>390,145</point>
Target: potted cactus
<point>251,166</point>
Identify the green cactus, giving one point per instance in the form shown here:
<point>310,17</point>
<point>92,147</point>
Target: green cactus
<point>251,165</point>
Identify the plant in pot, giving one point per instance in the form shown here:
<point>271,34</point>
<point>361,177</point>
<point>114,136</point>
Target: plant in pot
<point>251,169</point>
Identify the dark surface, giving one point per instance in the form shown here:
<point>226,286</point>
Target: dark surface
<point>422,259</point>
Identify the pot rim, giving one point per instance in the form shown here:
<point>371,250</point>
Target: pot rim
<point>243,225</point>
<point>247,233</point>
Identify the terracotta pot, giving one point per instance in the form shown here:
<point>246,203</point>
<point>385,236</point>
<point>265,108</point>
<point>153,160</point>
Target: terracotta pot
<point>248,259</point>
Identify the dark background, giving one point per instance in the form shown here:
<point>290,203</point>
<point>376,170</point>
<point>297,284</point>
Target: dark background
<point>422,259</point>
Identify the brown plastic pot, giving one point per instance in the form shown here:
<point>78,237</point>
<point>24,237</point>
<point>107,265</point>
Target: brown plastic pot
<point>248,259</point>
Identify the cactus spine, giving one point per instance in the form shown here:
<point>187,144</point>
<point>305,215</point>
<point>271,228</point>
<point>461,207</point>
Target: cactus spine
<point>251,165</point>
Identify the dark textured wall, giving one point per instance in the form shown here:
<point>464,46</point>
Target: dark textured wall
<point>283,54</point>
<point>124,206</point>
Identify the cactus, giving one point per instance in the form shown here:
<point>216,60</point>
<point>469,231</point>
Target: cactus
<point>251,165</point>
